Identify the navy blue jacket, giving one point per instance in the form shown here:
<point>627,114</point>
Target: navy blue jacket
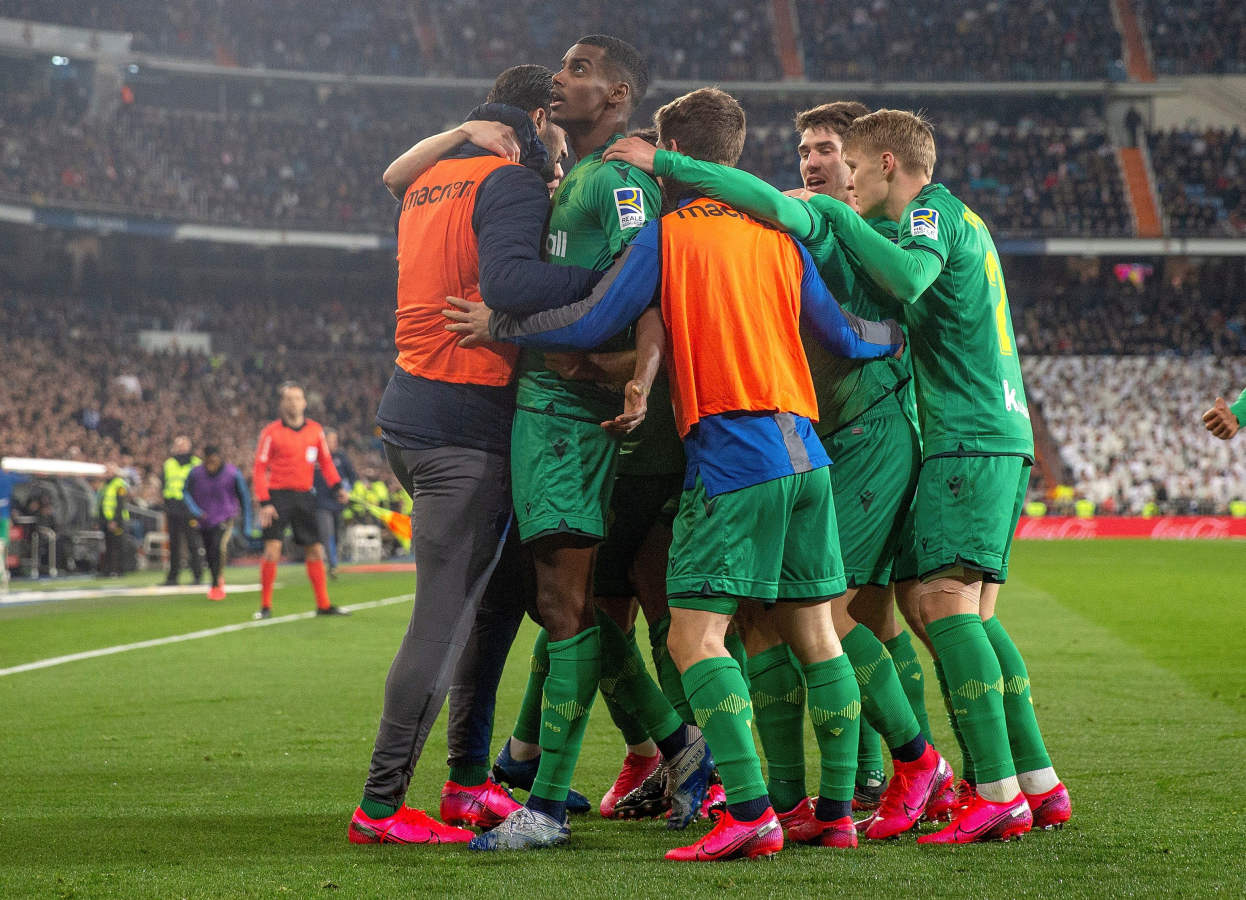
<point>512,206</point>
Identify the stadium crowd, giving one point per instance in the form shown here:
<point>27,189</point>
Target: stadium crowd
<point>709,40</point>
<point>259,165</point>
<point>980,40</point>
<point>1129,429</point>
<point>1202,180</point>
<point>716,40</point>
<point>67,395</point>
<point>1031,176</point>
<point>77,387</point>
<point>1130,308</point>
<point>1196,37</point>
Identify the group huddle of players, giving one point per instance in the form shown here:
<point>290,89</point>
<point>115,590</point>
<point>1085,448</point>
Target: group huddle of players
<point>763,421</point>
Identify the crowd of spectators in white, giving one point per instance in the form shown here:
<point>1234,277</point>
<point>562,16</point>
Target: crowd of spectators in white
<point>1130,429</point>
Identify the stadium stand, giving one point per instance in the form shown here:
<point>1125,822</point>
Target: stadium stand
<point>1027,175</point>
<point>1127,308</point>
<point>1197,36</point>
<point>979,40</point>
<point>1087,329</point>
<point>1129,429</point>
<point>297,156</point>
<point>77,387</point>
<point>1202,180</point>
<point>711,40</point>
<point>306,154</point>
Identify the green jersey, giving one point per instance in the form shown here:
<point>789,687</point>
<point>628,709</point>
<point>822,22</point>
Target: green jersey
<point>1238,408</point>
<point>597,209</point>
<point>848,387</point>
<point>970,395</point>
<point>845,387</point>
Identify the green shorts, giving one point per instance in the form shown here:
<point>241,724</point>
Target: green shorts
<point>770,541</point>
<point>562,473</point>
<point>966,512</point>
<point>904,568</point>
<point>638,503</point>
<point>874,464</point>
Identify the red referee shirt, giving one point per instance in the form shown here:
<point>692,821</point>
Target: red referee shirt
<point>286,458</point>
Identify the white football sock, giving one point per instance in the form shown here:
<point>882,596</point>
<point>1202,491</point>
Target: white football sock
<point>1039,781</point>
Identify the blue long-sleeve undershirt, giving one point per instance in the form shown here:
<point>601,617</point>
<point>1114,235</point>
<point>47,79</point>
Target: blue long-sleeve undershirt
<point>631,285</point>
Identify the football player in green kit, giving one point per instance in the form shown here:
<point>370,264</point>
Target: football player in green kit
<point>977,452</point>
<point>868,433</point>
<point>563,461</point>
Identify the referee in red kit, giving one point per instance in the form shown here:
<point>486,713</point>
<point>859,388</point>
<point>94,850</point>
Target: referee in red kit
<point>289,450</point>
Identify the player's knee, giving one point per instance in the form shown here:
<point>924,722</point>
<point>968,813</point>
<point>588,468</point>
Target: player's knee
<point>950,593</point>
<point>689,646</point>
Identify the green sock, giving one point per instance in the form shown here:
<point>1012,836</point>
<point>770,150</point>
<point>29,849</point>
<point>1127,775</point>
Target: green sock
<point>668,674</point>
<point>883,703</point>
<point>626,685</point>
<point>735,646</point>
<point>374,809</point>
<point>719,700</point>
<point>835,710</point>
<point>976,691</point>
<point>912,678</point>
<point>869,756</point>
<point>966,761</point>
<point>613,660</point>
<point>1028,751</point>
<point>778,694</point>
<point>528,724</point>
<point>469,775</point>
<point>574,670</point>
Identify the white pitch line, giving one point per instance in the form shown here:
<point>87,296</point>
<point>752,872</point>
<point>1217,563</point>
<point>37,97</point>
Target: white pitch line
<point>23,598</point>
<point>191,636</point>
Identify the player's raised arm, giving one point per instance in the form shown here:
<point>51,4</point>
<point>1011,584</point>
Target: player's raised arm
<point>748,194</point>
<point>623,293</point>
<point>496,137</point>
<point>839,330</point>
<point>509,219</point>
<point>902,272</point>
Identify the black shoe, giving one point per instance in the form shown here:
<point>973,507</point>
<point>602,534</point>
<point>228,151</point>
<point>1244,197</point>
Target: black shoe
<point>649,799</point>
<point>332,611</point>
<point>264,612</point>
<point>333,572</point>
<point>868,796</point>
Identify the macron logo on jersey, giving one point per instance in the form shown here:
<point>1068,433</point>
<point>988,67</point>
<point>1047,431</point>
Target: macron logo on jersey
<point>629,202</point>
<point>925,223</point>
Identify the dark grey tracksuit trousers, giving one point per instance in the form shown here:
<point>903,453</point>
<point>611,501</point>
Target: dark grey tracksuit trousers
<point>461,510</point>
<point>474,686</point>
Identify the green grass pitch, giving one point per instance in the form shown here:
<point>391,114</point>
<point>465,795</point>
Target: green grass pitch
<point>229,766</point>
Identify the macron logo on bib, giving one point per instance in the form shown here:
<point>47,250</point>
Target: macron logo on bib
<point>629,202</point>
<point>924,223</point>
